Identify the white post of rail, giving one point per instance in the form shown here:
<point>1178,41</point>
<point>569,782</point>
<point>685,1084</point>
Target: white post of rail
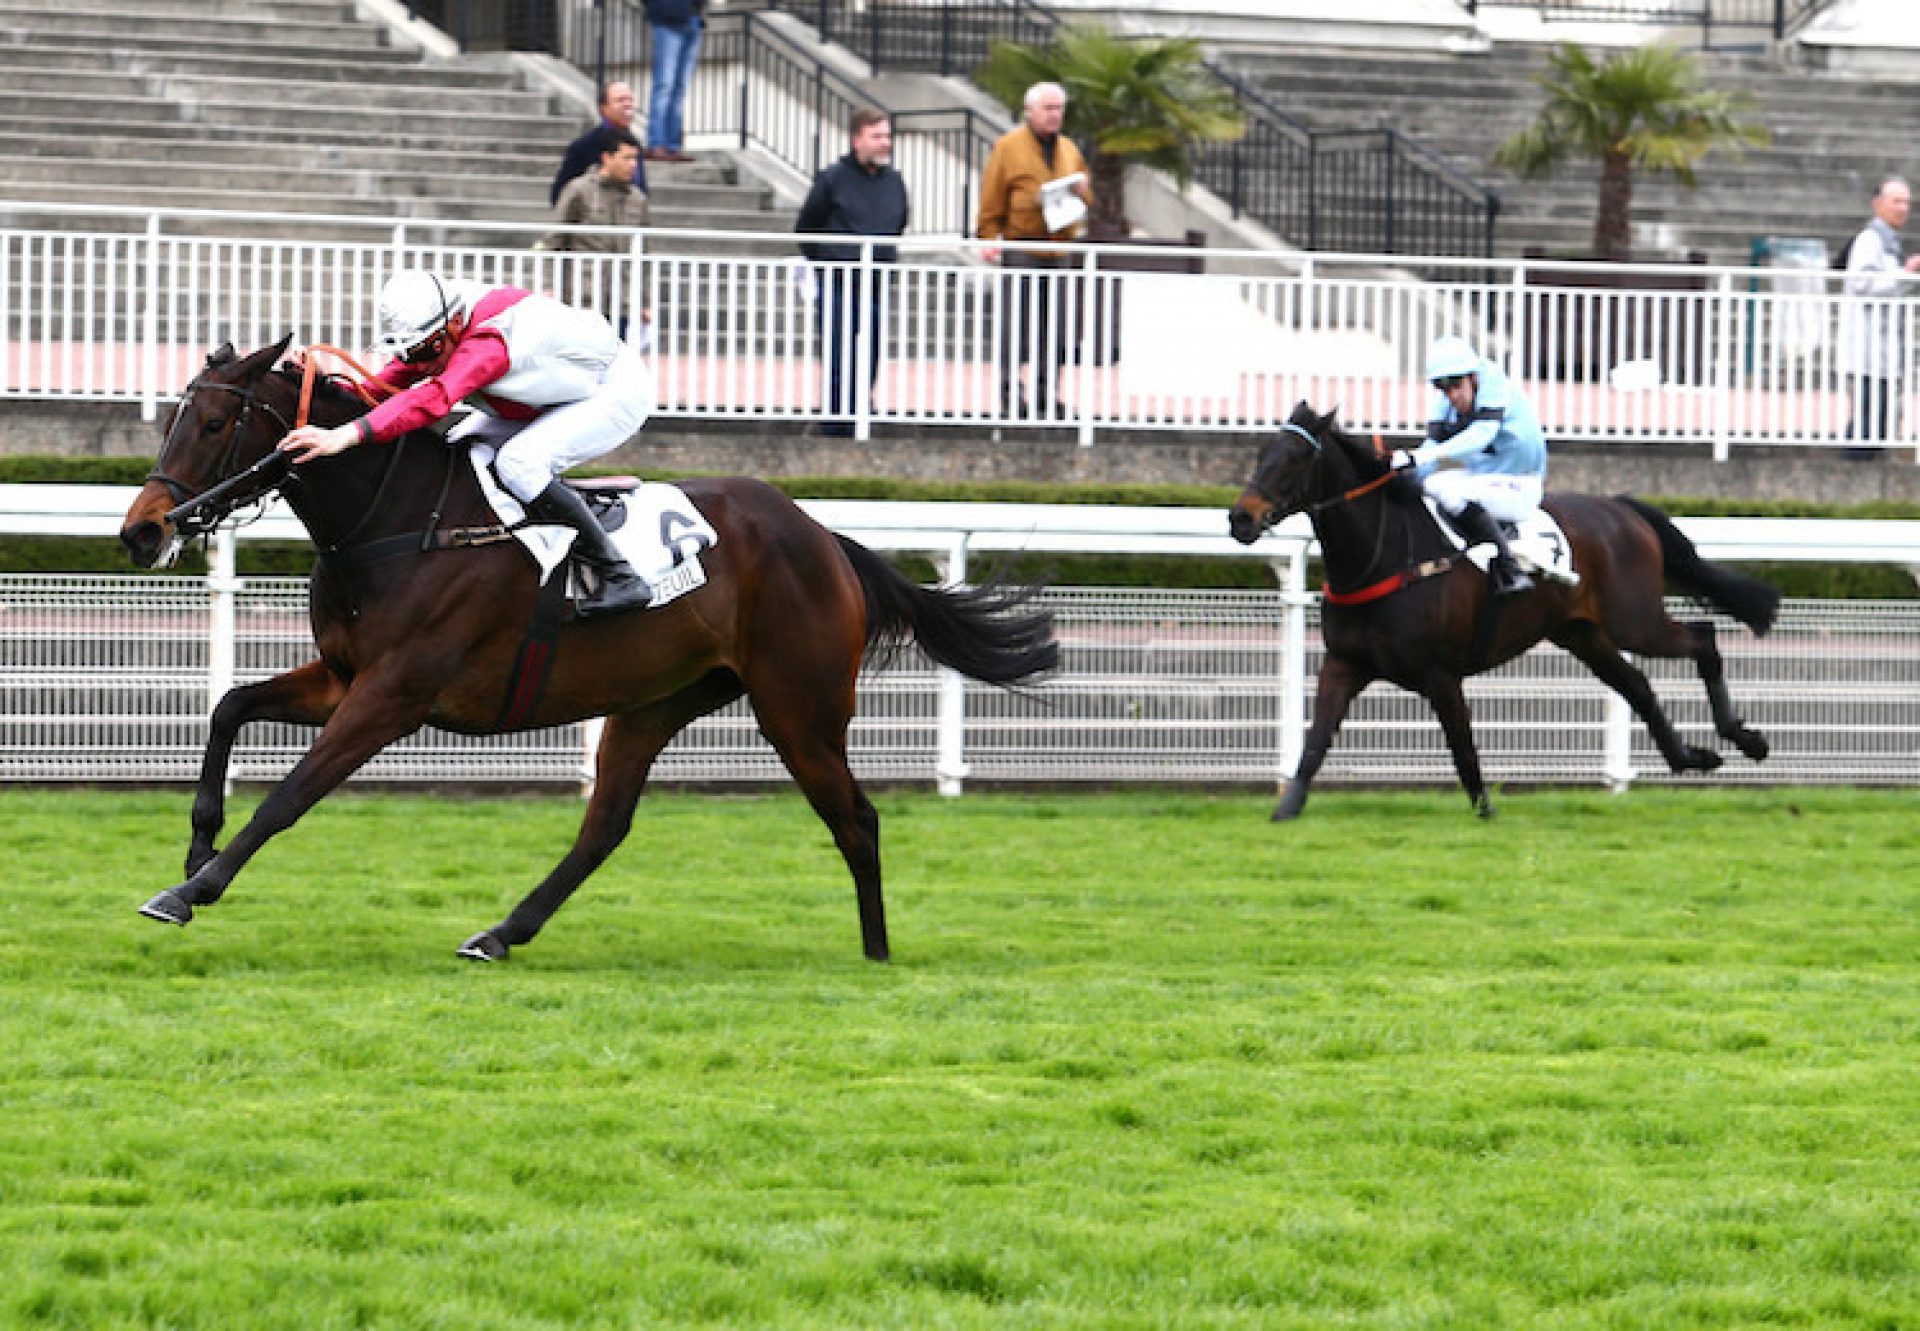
<point>150,327</point>
<point>1617,759</point>
<point>950,764</point>
<point>590,731</point>
<point>1087,310</point>
<point>855,386</point>
<point>1723,363</point>
<point>1293,660</point>
<point>223,587</point>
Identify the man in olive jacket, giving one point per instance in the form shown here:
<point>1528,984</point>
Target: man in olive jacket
<point>859,195</point>
<point>1033,317</point>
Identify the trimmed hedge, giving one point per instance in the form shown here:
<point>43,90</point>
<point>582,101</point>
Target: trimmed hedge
<point>21,554</point>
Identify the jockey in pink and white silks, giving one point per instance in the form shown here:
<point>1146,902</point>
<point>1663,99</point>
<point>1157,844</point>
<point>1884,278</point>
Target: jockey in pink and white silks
<point>1485,459</point>
<point>553,385</point>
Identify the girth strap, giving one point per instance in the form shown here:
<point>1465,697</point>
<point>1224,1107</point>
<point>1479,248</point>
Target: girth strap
<point>1375,591</point>
<point>534,662</point>
<point>416,543</point>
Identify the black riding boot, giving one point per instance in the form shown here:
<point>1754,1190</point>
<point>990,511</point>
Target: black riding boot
<point>616,585</point>
<point>1477,525</point>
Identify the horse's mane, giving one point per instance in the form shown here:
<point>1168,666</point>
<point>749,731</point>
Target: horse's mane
<point>1367,462</point>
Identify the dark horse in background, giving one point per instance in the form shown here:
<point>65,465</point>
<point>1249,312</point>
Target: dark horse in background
<point>417,627</point>
<point>1402,606</point>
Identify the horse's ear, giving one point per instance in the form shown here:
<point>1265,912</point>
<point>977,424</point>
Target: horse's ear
<point>220,355</point>
<point>262,360</point>
<point>1329,422</point>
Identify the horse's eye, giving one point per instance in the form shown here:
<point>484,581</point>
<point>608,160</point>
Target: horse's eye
<point>213,425</point>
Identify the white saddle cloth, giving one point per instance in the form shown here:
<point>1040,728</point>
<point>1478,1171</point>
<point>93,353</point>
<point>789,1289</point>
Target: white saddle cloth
<point>1540,546</point>
<point>662,535</point>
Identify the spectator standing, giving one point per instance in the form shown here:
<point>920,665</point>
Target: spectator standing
<point>1874,354</point>
<point>676,25</point>
<point>1033,324</point>
<point>616,112</point>
<point>859,195</point>
<point>603,197</point>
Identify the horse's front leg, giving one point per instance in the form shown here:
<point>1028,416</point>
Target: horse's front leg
<point>306,696</point>
<point>1448,696</point>
<point>373,714</point>
<point>1338,686</point>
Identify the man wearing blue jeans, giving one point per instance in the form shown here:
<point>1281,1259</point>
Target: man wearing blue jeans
<point>677,25</point>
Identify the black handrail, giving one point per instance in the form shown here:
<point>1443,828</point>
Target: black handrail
<point>1776,18</point>
<point>1323,189</point>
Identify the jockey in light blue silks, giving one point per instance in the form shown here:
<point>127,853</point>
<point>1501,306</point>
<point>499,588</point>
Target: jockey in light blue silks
<point>1485,457</point>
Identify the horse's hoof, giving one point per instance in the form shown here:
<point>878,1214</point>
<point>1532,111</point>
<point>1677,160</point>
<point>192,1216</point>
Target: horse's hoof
<point>482,947</point>
<point>197,859</point>
<point>1753,744</point>
<point>1704,760</point>
<point>168,907</point>
<point>1484,808</point>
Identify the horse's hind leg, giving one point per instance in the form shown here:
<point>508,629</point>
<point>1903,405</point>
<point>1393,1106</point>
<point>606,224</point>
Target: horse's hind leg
<point>810,733</point>
<point>1587,642</point>
<point>628,747</point>
<point>306,696</point>
<point>1726,722</point>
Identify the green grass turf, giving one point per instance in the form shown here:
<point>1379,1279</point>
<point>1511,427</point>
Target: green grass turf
<point>1142,1060</point>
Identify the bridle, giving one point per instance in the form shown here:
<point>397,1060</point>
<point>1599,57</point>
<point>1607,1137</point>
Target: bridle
<point>197,513</point>
<point>1278,507</point>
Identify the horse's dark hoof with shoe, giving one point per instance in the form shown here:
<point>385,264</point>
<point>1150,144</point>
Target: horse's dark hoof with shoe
<point>168,907</point>
<point>482,947</point>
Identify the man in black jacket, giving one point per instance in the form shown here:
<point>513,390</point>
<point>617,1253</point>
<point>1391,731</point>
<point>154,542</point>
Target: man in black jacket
<point>859,195</point>
<point>616,112</point>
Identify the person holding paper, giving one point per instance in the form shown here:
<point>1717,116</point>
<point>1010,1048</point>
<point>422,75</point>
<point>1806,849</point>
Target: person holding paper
<point>1034,188</point>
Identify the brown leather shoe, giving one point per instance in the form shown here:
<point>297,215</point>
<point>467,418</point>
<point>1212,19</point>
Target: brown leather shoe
<point>678,155</point>
<point>658,155</point>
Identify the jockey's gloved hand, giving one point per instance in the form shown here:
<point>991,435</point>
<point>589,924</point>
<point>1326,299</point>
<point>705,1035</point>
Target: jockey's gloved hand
<point>1401,460</point>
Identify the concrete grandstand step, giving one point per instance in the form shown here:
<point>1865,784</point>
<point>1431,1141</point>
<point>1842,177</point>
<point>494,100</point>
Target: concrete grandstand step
<point>16,62</point>
<point>262,30</point>
<point>314,95</point>
<point>210,50</point>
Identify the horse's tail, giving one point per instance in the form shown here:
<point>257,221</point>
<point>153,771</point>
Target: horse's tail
<point>988,633</point>
<point>1748,600</point>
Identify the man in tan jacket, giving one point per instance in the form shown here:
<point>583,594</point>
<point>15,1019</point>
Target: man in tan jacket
<point>1035,314</point>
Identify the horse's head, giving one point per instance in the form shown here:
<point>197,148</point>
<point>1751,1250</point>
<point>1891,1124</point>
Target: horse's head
<point>222,426</point>
<point>1310,459</point>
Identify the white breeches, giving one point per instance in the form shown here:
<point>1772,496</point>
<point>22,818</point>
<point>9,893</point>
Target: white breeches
<point>531,453</point>
<point>1507,497</point>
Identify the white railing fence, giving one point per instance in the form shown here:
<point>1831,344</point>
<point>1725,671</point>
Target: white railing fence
<point>126,307</point>
<point>106,678</point>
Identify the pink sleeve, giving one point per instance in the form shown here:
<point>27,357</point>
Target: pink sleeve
<point>479,360</point>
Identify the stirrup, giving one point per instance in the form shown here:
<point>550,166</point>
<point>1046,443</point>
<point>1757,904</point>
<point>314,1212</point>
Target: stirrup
<point>1507,577</point>
<point>611,595</point>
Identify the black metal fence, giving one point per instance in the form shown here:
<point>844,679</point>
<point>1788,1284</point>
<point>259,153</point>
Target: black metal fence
<point>1374,190</point>
<point>1719,21</point>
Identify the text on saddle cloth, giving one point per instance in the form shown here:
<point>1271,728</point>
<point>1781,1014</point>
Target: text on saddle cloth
<point>1539,544</point>
<point>661,533</point>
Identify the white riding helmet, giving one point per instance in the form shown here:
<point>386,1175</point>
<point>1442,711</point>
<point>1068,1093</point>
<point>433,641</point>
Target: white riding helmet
<point>414,305</point>
<point>1450,356</point>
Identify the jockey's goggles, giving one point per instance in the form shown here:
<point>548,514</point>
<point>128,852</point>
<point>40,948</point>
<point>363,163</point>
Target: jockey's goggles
<point>1450,382</point>
<point>426,351</point>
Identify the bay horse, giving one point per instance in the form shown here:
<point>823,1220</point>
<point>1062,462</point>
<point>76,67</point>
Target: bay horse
<point>419,621</point>
<point>1402,606</point>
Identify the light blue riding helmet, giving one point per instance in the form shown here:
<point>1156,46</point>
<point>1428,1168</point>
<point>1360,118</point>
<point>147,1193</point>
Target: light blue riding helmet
<point>1449,356</point>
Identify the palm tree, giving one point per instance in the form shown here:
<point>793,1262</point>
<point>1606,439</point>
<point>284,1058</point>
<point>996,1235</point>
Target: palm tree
<point>1640,110</point>
<point>1148,101</point>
